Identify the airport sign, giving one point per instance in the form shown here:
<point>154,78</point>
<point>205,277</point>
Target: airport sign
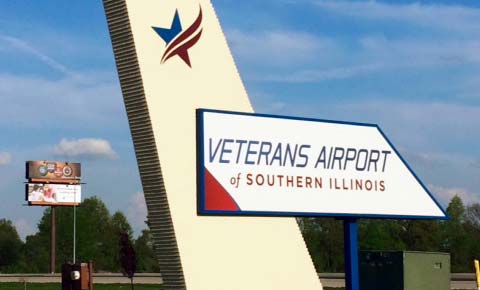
<point>254,164</point>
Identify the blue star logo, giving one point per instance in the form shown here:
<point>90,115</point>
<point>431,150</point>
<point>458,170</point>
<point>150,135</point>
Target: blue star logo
<point>169,34</point>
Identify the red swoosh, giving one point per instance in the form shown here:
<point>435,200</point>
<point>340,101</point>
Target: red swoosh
<point>185,34</point>
<point>182,50</point>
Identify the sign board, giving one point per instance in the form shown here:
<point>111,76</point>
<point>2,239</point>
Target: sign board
<point>53,194</point>
<point>270,165</point>
<point>53,170</point>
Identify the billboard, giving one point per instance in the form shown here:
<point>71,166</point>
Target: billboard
<point>53,170</point>
<point>53,194</point>
<point>251,164</point>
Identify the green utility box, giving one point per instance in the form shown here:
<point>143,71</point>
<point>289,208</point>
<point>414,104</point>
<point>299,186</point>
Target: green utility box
<point>404,270</point>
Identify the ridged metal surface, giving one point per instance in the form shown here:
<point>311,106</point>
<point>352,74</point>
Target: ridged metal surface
<point>159,217</point>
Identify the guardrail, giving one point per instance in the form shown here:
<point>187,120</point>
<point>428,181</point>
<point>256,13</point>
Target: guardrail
<point>458,280</point>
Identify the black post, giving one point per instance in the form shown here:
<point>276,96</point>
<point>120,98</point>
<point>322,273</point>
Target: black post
<point>53,235</point>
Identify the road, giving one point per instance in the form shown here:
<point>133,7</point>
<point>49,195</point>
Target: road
<point>334,280</point>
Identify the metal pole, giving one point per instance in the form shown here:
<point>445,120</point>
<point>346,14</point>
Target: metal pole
<point>350,239</point>
<point>90,275</point>
<point>74,226</point>
<point>53,234</point>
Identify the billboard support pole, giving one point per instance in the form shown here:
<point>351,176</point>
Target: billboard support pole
<point>350,239</point>
<point>53,234</point>
<point>74,231</point>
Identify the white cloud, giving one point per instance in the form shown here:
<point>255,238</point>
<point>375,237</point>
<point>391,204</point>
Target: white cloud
<point>5,158</point>
<point>279,48</point>
<point>379,54</point>
<point>420,51</point>
<point>444,17</point>
<point>425,126</point>
<point>76,99</point>
<point>263,99</point>
<point>306,76</point>
<point>432,126</point>
<point>446,173</point>
<point>470,88</point>
<point>86,147</point>
<point>137,211</point>
<point>23,46</point>
<point>24,228</point>
<point>310,57</point>
<point>445,194</point>
<point>80,102</point>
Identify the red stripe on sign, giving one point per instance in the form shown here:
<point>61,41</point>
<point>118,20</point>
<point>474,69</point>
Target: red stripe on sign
<point>216,197</point>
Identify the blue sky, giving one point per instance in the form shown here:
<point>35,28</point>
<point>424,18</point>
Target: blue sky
<point>413,67</point>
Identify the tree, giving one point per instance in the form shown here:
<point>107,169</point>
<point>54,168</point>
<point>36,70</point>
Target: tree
<point>145,251</point>
<point>120,225</point>
<point>128,260</point>
<point>381,235</point>
<point>97,237</point>
<point>324,239</point>
<point>472,215</point>
<point>93,238</point>
<point>472,230</point>
<point>422,235</point>
<point>37,247</point>
<point>455,237</point>
<point>10,246</point>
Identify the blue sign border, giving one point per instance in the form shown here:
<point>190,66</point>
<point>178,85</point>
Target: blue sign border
<point>201,174</point>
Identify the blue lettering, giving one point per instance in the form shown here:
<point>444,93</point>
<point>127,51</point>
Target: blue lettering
<point>290,155</point>
<point>302,155</point>
<point>250,152</point>
<point>322,158</point>
<point>241,142</point>
<point>212,157</point>
<point>225,151</point>
<point>277,155</point>
<point>349,156</point>
<point>264,151</point>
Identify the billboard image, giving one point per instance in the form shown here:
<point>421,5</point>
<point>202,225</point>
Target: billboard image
<point>252,164</point>
<point>53,194</point>
<point>53,170</point>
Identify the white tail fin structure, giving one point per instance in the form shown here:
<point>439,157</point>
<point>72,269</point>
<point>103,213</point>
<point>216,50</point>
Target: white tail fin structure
<point>172,58</point>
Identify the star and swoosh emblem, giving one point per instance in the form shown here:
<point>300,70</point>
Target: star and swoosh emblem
<point>178,40</point>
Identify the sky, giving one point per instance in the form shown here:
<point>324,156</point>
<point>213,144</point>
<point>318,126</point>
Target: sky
<point>412,67</point>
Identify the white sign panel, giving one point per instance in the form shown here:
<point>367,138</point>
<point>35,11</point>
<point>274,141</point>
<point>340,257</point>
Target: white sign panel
<point>269,165</point>
<point>53,194</point>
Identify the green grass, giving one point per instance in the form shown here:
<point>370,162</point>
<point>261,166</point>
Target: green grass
<point>56,286</point>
